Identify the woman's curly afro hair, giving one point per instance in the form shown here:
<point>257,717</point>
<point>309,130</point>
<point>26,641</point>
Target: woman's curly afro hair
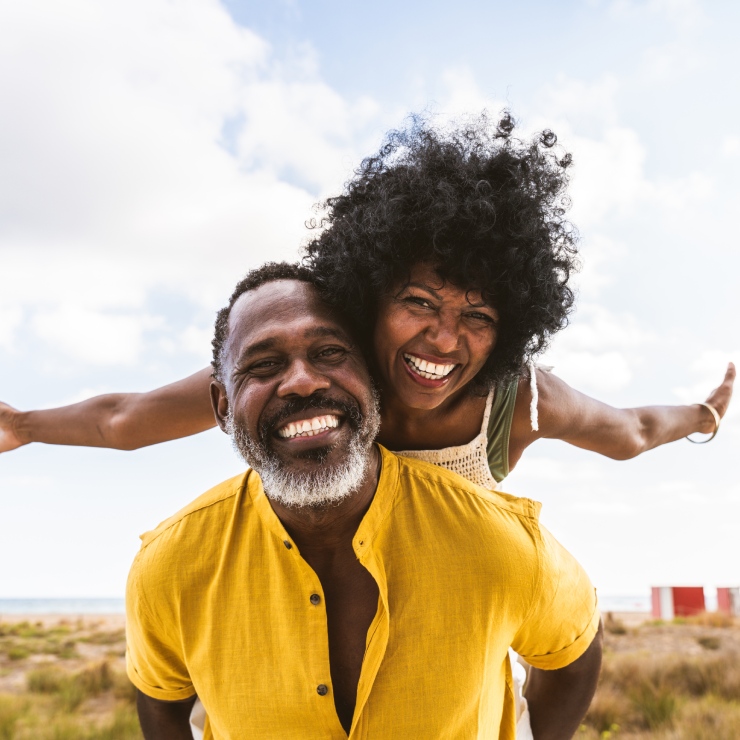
<point>485,209</point>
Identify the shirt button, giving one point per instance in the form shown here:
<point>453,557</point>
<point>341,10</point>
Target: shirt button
<point>287,544</point>
<point>315,599</point>
<point>322,689</point>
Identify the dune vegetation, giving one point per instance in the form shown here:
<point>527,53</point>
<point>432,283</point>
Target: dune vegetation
<point>65,680</point>
<point>677,680</point>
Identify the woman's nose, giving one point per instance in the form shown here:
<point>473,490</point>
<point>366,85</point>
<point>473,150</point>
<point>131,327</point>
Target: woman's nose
<point>444,334</point>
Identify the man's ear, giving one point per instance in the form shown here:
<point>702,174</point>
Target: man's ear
<point>220,403</point>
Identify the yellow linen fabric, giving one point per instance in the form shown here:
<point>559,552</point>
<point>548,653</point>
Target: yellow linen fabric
<point>218,605</point>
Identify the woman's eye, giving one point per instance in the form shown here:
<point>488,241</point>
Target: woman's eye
<point>481,317</point>
<point>418,301</point>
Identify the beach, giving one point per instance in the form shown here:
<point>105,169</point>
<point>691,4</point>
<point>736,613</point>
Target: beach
<point>62,677</point>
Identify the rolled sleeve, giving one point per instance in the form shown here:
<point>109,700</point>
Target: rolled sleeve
<point>154,660</point>
<point>570,653</point>
<point>564,616</point>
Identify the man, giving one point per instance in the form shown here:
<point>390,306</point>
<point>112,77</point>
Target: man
<point>337,589</point>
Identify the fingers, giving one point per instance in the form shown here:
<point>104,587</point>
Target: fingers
<point>720,397</point>
<point>8,439</point>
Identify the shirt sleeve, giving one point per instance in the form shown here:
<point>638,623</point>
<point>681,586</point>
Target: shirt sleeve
<point>154,658</point>
<point>564,616</point>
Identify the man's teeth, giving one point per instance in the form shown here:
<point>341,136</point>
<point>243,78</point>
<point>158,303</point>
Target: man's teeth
<point>428,370</point>
<point>308,427</point>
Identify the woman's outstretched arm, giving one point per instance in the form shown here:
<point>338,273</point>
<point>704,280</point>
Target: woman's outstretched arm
<point>124,421</point>
<point>566,414</point>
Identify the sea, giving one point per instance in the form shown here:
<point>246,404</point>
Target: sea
<point>62,606</point>
<point>617,603</point>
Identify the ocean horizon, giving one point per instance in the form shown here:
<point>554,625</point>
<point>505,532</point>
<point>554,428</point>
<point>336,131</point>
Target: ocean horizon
<point>608,603</point>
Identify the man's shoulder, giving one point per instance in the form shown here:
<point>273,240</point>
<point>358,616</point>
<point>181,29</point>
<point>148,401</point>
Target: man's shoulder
<point>437,482</point>
<point>217,503</point>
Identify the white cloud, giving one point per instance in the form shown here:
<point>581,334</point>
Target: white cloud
<point>685,14</point>
<point>600,351</point>
<point>94,337</point>
<point>591,371</point>
<point>10,320</point>
<point>596,328</point>
<point>731,145</point>
<point>197,341</point>
<point>584,101</point>
<point>551,470</point>
<point>116,180</point>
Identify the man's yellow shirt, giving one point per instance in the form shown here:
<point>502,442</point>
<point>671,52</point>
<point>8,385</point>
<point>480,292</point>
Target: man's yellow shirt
<point>219,603</point>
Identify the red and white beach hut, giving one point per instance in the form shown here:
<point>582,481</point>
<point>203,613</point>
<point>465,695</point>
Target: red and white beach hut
<point>728,601</point>
<point>677,601</point>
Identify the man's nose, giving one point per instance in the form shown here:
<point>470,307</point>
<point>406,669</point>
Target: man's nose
<point>301,379</point>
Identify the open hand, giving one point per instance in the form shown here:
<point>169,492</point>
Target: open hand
<point>8,438</point>
<point>720,397</point>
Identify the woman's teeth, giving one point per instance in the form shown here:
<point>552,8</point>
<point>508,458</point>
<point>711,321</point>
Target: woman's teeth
<point>428,370</point>
<point>308,427</point>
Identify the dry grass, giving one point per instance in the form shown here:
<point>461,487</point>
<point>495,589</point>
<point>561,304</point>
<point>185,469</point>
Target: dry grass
<point>677,681</point>
<point>65,682</point>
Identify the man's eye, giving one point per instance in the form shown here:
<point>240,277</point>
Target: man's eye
<point>263,366</point>
<point>332,353</point>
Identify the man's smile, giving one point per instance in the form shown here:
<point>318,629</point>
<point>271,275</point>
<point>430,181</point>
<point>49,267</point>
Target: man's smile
<point>309,427</point>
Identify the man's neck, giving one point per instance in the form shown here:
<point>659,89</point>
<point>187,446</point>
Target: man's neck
<point>328,527</point>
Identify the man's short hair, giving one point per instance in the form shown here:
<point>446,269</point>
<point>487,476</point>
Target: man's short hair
<point>269,272</point>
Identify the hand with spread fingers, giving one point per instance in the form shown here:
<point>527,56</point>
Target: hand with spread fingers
<point>719,398</point>
<point>716,407</point>
<point>9,439</point>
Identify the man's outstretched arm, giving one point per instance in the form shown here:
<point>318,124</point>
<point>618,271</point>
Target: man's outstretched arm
<point>164,720</point>
<point>559,699</point>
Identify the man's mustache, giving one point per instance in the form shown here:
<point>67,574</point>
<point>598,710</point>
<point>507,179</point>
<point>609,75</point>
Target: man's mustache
<point>316,402</point>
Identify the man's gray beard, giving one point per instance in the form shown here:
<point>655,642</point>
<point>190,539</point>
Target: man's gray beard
<point>324,486</point>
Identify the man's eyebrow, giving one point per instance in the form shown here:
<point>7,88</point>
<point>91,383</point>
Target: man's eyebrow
<point>257,347</point>
<point>266,345</point>
<point>327,331</point>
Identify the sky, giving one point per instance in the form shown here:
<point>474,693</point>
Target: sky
<point>152,152</point>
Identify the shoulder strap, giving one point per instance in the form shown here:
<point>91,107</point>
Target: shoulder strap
<point>499,429</point>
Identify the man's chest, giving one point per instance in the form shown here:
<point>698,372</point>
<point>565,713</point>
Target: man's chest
<point>265,651</point>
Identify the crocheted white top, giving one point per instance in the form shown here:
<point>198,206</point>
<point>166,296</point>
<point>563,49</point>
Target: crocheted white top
<point>471,460</point>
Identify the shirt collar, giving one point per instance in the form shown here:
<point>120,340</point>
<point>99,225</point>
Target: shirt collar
<point>382,502</point>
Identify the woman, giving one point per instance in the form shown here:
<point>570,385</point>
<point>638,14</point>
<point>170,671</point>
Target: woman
<point>446,248</point>
<point>450,255</point>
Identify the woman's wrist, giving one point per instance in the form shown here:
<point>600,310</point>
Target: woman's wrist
<point>12,429</point>
<point>20,426</point>
<point>706,424</point>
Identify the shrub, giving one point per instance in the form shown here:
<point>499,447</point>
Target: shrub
<point>18,652</point>
<point>608,709</point>
<point>709,642</point>
<point>47,679</point>
<point>11,710</point>
<point>656,705</point>
<point>613,625</point>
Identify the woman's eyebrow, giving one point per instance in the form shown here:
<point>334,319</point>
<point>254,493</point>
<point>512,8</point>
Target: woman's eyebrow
<point>421,286</point>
